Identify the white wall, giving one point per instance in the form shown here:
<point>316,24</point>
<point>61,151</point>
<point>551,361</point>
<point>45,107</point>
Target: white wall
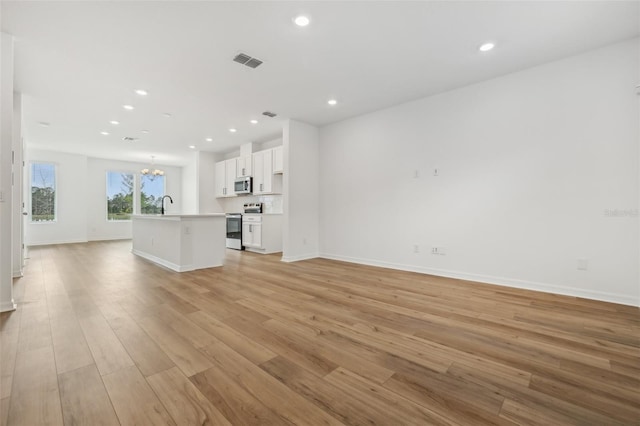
<point>6,136</point>
<point>207,202</point>
<point>300,226</point>
<point>82,201</point>
<point>190,185</point>
<point>528,164</point>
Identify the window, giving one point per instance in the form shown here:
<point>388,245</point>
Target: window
<point>119,195</point>
<point>151,191</point>
<point>43,192</point>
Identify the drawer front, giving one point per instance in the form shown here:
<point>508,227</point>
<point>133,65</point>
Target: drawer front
<point>251,218</point>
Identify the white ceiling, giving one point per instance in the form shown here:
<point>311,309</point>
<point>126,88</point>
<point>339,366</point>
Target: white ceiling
<point>78,62</point>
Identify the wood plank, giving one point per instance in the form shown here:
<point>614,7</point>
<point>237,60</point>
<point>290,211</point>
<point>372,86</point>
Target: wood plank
<point>286,403</point>
<point>233,400</point>
<point>8,351</point>
<point>238,341</point>
<point>35,397</point>
<point>106,349</point>
<point>625,411</point>
<point>146,354</point>
<point>183,400</point>
<point>134,401</point>
<point>362,405</point>
<point>4,411</point>
<point>84,398</point>
<point>339,356</point>
<point>69,344</point>
<point>178,349</point>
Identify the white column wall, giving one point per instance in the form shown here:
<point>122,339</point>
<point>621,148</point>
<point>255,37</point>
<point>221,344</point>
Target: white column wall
<point>17,257</point>
<point>6,145</point>
<point>301,191</point>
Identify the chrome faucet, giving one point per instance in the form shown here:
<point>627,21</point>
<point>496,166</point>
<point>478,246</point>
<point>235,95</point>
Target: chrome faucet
<point>162,203</point>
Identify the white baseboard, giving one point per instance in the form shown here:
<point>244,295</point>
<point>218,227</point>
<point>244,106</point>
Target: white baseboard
<point>110,238</point>
<point>155,259</point>
<point>502,281</point>
<point>299,257</point>
<point>8,306</point>
<point>48,243</point>
<point>171,265</point>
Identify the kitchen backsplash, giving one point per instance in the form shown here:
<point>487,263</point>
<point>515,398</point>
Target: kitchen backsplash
<point>270,203</point>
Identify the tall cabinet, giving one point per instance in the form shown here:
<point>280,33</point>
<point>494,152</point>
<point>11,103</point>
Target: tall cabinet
<point>264,181</point>
<point>225,177</point>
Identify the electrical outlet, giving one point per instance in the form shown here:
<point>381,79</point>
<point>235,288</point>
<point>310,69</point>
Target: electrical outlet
<point>187,230</point>
<point>438,250</point>
<point>304,241</point>
<point>416,174</point>
<point>416,248</point>
<point>435,172</point>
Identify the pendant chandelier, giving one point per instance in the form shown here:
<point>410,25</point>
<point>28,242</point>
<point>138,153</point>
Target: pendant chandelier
<point>152,172</point>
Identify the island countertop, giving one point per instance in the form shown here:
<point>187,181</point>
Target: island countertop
<point>182,242</point>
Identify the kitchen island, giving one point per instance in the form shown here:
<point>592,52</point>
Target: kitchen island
<point>180,242</point>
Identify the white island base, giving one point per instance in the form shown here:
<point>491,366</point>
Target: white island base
<point>181,242</point>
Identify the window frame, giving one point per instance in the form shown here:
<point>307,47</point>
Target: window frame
<point>55,196</point>
<point>135,189</point>
<point>139,196</point>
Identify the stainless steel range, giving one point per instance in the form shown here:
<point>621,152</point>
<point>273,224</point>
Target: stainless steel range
<point>253,207</point>
<point>234,231</point>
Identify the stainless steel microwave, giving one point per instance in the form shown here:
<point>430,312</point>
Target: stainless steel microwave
<point>242,185</point>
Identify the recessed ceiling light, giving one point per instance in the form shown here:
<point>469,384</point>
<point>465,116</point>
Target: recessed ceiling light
<point>104,133</point>
<point>209,140</point>
<point>114,122</point>
<point>301,21</point>
<point>486,47</point>
<point>128,107</point>
<point>144,131</point>
<point>192,146</point>
<point>232,130</point>
<point>253,121</point>
<point>141,92</point>
<point>166,114</point>
<point>332,102</point>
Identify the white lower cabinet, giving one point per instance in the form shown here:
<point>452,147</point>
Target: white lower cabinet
<point>252,234</point>
<point>262,233</point>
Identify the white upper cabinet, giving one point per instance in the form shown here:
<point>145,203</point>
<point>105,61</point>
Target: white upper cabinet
<point>243,166</point>
<point>225,176</point>
<point>264,181</point>
<point>278,160</point>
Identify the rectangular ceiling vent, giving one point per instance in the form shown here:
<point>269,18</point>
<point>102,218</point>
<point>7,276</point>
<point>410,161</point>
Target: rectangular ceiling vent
<point>247,60</point>
<point>269,114</point>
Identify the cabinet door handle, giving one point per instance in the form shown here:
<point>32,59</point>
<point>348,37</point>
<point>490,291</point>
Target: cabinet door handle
<point>260,187</point>
<point>243,172</point>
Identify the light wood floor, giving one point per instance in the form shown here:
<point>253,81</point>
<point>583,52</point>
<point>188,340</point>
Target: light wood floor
<point>104,337</point>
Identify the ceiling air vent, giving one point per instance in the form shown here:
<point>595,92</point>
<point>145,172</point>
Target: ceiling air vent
<point>269,114</point>
<point>129,139</point>
<point>247,60</point>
